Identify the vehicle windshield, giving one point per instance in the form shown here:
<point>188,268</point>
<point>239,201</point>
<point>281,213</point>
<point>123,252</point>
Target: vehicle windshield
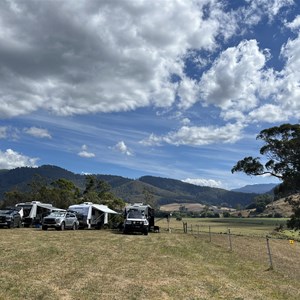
<point>136,214</point>
<point>57,214</point>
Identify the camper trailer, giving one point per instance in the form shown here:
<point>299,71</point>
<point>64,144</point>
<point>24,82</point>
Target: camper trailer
<point>91,215</point>
<point>35,211</point>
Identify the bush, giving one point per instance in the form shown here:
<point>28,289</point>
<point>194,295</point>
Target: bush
<point>226,214</point>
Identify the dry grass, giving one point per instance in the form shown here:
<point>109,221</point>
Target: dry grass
<point>93,264</point>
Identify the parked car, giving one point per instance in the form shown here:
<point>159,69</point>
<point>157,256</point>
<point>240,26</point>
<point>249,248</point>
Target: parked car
<point>10,218</point>
<point>60,220</point>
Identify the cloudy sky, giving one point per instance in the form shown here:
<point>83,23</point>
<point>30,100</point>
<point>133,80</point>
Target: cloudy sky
<point>170,88</point>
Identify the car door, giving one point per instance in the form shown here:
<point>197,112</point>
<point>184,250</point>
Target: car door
<point>68,220</point>
<point>72,219</point>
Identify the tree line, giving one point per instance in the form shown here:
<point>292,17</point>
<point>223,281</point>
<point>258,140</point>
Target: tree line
<point>62,193</point>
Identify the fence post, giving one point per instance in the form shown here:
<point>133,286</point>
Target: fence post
<point>269,253</point>
<point>209,231</point>
<point>184,227</point>
<point>169,229</point>
<point>229,238</point>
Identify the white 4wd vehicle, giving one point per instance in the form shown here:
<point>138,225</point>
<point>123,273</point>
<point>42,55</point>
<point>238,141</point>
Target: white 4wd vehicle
<point>60,220</point>
<point>136,221</point>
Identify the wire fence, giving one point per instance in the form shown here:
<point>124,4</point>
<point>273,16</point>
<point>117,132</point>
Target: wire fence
<point>280,255</point>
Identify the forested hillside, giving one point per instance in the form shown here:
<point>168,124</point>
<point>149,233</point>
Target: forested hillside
<point>156,190</point>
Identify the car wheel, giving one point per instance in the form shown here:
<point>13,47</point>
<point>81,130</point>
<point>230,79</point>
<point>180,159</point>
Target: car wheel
<point>12,224</point>
<point>74,226</point>
<point>44,227</point>
<point>62,226</point>
<point>19,224</point>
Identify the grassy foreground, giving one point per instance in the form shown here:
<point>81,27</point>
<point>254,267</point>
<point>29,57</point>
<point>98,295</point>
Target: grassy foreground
<point>93,264</point>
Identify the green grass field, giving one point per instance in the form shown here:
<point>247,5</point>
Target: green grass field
<point>238,226</point>
<point>92,264</point>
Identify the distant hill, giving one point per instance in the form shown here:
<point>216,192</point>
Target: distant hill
<point>20,177</point>
<point>160,190</point>
<point>197,194</point>
<point>279,207</point>
<point>257,188</point>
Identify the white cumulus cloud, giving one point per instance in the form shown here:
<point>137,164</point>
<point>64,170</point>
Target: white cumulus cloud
<point>198,136</point>
<point>122,147</point>
<point>38,132</point>
<point>11,159</point>
<point>85,153</point>
<point>204,182</point>
<point>99,56</point>
<point>233,80</point>
<point>295,24</point>
<point>269,113</point>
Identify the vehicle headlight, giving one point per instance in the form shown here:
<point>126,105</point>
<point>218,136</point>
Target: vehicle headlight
<point>146,222</point>
<point>8,218</point>
<point>57,220</point>
<point>128,222</point>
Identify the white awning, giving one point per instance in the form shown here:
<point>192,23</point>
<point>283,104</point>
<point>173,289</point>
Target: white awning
<point>104,208</point>
<point>43,205</point>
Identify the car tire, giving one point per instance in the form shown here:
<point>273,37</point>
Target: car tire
<point>12,224</point>
<point>44,227</point>
<point>74,227</point>
<point>62,226</point>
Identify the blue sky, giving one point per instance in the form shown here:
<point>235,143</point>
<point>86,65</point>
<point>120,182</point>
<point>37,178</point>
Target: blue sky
<point>176,89</point>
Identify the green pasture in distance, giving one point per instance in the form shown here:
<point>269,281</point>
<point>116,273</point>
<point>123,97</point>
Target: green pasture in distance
<point>240,226</point>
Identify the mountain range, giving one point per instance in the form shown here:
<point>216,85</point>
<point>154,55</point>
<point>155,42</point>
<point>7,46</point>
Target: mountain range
<point>257,188</point>
<point>160,190</point>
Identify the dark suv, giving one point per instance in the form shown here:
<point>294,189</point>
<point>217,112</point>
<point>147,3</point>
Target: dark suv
<point>10,218</point>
